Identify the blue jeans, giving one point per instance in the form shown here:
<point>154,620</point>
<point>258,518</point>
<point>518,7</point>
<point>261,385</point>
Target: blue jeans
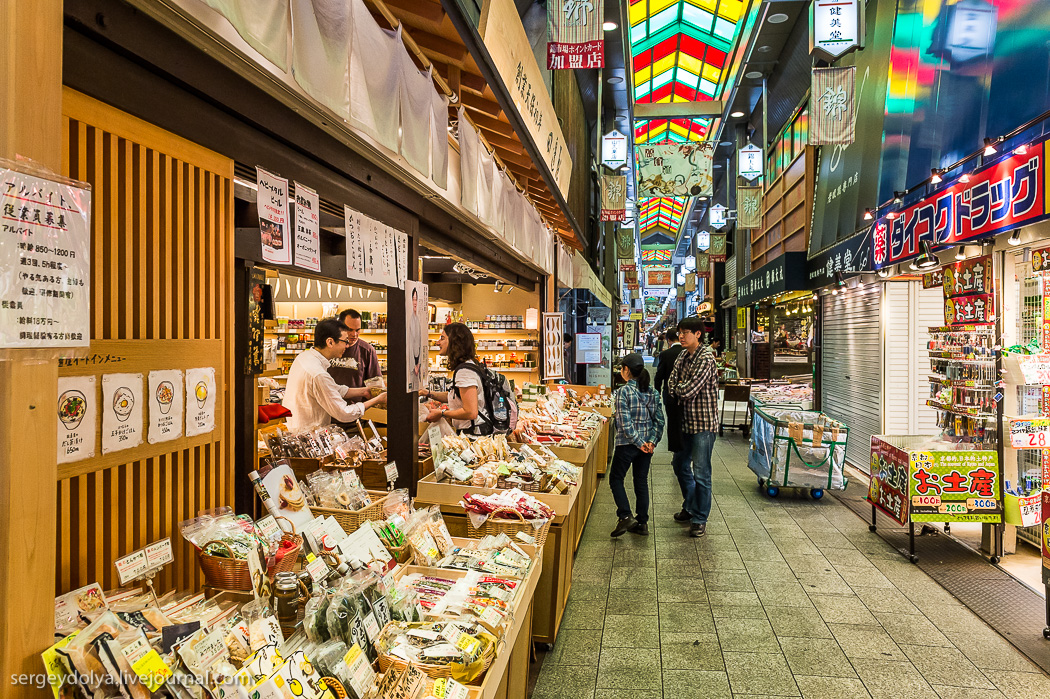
<point>628,456</point>
<point>681,465</point>
<point>696,448</point>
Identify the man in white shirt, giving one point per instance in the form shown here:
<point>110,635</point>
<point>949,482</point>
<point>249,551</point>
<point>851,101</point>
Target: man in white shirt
<point>312,394</point>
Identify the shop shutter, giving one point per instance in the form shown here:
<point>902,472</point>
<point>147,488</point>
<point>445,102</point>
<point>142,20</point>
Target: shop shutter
<point>910,312</point>
<point>851,373</point>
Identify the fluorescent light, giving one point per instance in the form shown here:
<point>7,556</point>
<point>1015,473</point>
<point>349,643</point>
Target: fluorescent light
<point>609,26</point>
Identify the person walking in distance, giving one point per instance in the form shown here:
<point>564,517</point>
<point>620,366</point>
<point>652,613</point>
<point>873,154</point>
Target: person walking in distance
<point>682,471</point>
<point>639,421</point>
<point>694,383</point>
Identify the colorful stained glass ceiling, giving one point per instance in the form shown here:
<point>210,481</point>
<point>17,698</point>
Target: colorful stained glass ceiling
<point>660,213</point>
<point>680,48</point>
<point>680,130</point>
<point>657,255</point>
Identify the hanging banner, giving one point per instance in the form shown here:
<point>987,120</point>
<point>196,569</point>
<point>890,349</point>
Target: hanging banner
<point>748,207</point>
<point>625,244</point>
<point>307,228</point>
<point>625,334</point>
<point>165,394</point>
<point>630,279</point>
<point>836,27</point>
<point>574,31</point>
<point>749,162</point>
<point>703,262</point>
<point>717,216</point>
<point>998,198</point>
<point>253,358</point>
<point>553,349</point>
<point>614,150</point>
<point>690,282</point>
<point>717,247</point>
<point>659,277</point>
<point>401,245</point>
<point>614,198</point>
<point>833,117</point>
<point>200,401</point>
<point>674,169</point>
<point>77,418</point>
<point>354,223</point>
<point>968,292</point>
<point>274,226</point>
<point>45,261</point>
<point>417,344</point>
<point>121,412</point>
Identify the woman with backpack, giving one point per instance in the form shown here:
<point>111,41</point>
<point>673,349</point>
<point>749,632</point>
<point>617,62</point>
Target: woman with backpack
<point>639,419</point>
<point>466,400</point>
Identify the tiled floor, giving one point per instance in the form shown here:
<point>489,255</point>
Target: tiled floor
<point>783,597</point>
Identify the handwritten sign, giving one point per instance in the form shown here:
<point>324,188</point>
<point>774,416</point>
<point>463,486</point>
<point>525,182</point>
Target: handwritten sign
<point>122,404</point>
<point>165,406</point>
<point>1030,433</point>
<point>274,223</point>
<point>77,417</point>
<point>307,228</point>
<point>200,401</point>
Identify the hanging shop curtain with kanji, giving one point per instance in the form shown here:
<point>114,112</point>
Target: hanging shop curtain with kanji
<point>833,116</point>
<point>749,207</point>
<point>574,31</point>
<point>614,198</point>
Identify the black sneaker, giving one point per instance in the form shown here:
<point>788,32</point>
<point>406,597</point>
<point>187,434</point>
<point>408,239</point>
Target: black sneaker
<point>697,530</point>
<point>682,516</point>
<point>640,528</point>
<point>624,525</point>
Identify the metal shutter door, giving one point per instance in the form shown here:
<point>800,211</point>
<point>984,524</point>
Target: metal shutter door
<point>910,311</point>
<point>851,372</point>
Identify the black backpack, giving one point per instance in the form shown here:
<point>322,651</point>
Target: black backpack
<point>500,415</point>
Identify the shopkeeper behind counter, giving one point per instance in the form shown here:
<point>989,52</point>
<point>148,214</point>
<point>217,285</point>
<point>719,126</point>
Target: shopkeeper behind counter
<point>359,360</point>
<point>312,394</point>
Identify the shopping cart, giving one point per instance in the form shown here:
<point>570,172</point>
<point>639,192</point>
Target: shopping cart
<point>797,449</point>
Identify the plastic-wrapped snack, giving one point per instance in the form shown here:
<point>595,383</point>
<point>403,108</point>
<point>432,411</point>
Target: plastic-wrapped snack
<point>439,530</point>
<point>398,502</point>
<point>315,620</point>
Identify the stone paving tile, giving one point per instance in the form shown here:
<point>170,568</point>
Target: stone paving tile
<point>785,597</point>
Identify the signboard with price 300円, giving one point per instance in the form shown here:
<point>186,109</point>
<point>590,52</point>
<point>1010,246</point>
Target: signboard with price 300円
<point>954,486</point>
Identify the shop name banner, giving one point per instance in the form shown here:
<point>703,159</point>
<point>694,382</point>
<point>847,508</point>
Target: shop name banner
<point>835,27</point>
<point>77,418</point>
<point>889,480</point>
<point>954,486</point>
<point>933,280</point>
<point>833,118</point>
<point>625,244</point>
<point>504,36</point>
<point>1041,260</point>
<point>574,29</point>
<point>553,346</point>
<point>271,199</point>
<point>851,256</point>
<point>45,261</point>
<point>674,169</point>
<point>997,198</point>
<point>614,198</point>
<point>786,273</point>
<point>749,207</point>
<point>253,360</point>
<point>968,297</point>
<point>307,228</point>
<point>1030,433</point>
<point>659,277</point>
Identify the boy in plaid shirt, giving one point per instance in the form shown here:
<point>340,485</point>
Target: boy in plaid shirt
<point>694,384</point>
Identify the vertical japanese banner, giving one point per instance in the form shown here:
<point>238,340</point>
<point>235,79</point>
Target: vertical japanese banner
<point>833,117</point>
<point>200,401</point>
<point>749,207</point>
<point>614,198</point>
<point>625,244</point>
<point>690,282</point>
<point>417,343</point>
<point>401,244</point>
<point>574,31</point>
<point>45,261</point>
<point>969,297</point>
<point>388,256</point>
<point>354,224</point>
<point>77,418</point>
<point>121,412</point>
<point>553,350</point>
<point>716,249</point>
<point>307,228</point>
<point>274,225</point>
<point>253,359</point>
<point>165,396</point>
<point>370,249</point>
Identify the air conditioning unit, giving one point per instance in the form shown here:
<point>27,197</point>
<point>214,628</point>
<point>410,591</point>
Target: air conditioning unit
<point>727,291</point>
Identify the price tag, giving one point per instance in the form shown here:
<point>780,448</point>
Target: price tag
<point>159,553</point>
<point>268,528</point>
<point>1030,434</point>
<point>317,569</point>
<point>491,617</point>
<point>468,644</point>
<point>451,633</point>
<point>361,674</point>
<point>391,471</point>
<point>132,566</point>
<point>151,670</point>
<point>134,651</point>
<point>371,627</point>
<point>454,690</point>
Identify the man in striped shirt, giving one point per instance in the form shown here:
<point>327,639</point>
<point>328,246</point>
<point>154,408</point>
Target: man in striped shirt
<point>694,384</point>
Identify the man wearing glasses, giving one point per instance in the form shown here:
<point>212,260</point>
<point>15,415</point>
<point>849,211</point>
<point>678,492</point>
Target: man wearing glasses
<point>359,361</point>
<point>694,383</point>
<point>312,394</point>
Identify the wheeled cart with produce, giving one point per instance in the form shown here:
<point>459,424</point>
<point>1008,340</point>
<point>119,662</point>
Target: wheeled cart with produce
<point>797,449</point>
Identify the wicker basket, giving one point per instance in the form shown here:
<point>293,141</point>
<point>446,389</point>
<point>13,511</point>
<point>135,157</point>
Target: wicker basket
<point>350,520</point>
<point>336,687</point>
<point>233,573</point>
<point>510,527</point>
<point>389,662</point>
<point>524,486</point>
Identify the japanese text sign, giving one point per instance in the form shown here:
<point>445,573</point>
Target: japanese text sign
<point>954,486</point>
<point>835,27</point>
<point>749,162</point>
<point>274,224</point>
<point>1030,433</point>
<point>933,280</point>
<point>889,475</point>
<point>1009,193</point>
<point>575,31</point>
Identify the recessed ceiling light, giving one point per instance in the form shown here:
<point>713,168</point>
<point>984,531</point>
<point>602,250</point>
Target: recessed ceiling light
<point>726,143</point>
<point>609,26</point>
<point>764,49</point>
<point>778,18</point>
<point>753,74</point>
<point>615,80</point>
<point>737,114</point>
<point>702,198</point>
<point>716,167</point>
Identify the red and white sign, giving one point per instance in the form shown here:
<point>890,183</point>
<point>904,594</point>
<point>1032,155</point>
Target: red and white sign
<point>1030,433</point>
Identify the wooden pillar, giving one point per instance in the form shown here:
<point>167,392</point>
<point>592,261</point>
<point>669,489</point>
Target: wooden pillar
<point>30,126</point>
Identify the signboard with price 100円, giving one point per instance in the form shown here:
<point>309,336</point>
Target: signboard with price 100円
<point>954,486</point>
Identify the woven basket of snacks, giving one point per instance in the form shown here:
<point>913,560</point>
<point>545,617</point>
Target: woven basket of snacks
<point>510,523</point>
<point>388,662</point>
<point>230,573</point>
<point>350,520</point>
<point>530,486</point>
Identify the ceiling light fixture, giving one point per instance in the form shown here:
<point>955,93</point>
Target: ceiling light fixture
<point>764,49</point>
<point>753,75</point>
<point>1015,237</point>
<point>610,26</point>
<point>927,259</point>
<point>1021,149</point>
<point>725,143</point>
<point>898,197</point>
<point>989,146</point>
<point>737,114</point>
<point>935,176</point>
<point>778,18</point>
<point>960,254</point>
<point>884,272</point>
<point>965,177</point>
<point>614,80</point>
<point>868,215</point>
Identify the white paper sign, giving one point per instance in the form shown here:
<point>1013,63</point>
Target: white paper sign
<point>354,223</point>
<point>131,566</point>
<point>387,256</point>
<point>77,418</point>
<point>121,411</point>
<point>553,346</point>
<point>835,27</point>
<point>401,241</point>
<point>749,162</point>
<point>588,348</point>
<point>200,401</point>
<point>274,224</point>
<point>307,228</point>
<point>165,406</point>
<point>159,553</point>
<point>45,262</point>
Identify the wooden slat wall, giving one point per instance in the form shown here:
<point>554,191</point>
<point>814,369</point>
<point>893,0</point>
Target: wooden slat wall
<point>787,213</point>
<point>162,245</point>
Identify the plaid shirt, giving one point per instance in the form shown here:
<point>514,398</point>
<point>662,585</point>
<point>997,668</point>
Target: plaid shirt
<point>694,382</point>
<point>639,416</point>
